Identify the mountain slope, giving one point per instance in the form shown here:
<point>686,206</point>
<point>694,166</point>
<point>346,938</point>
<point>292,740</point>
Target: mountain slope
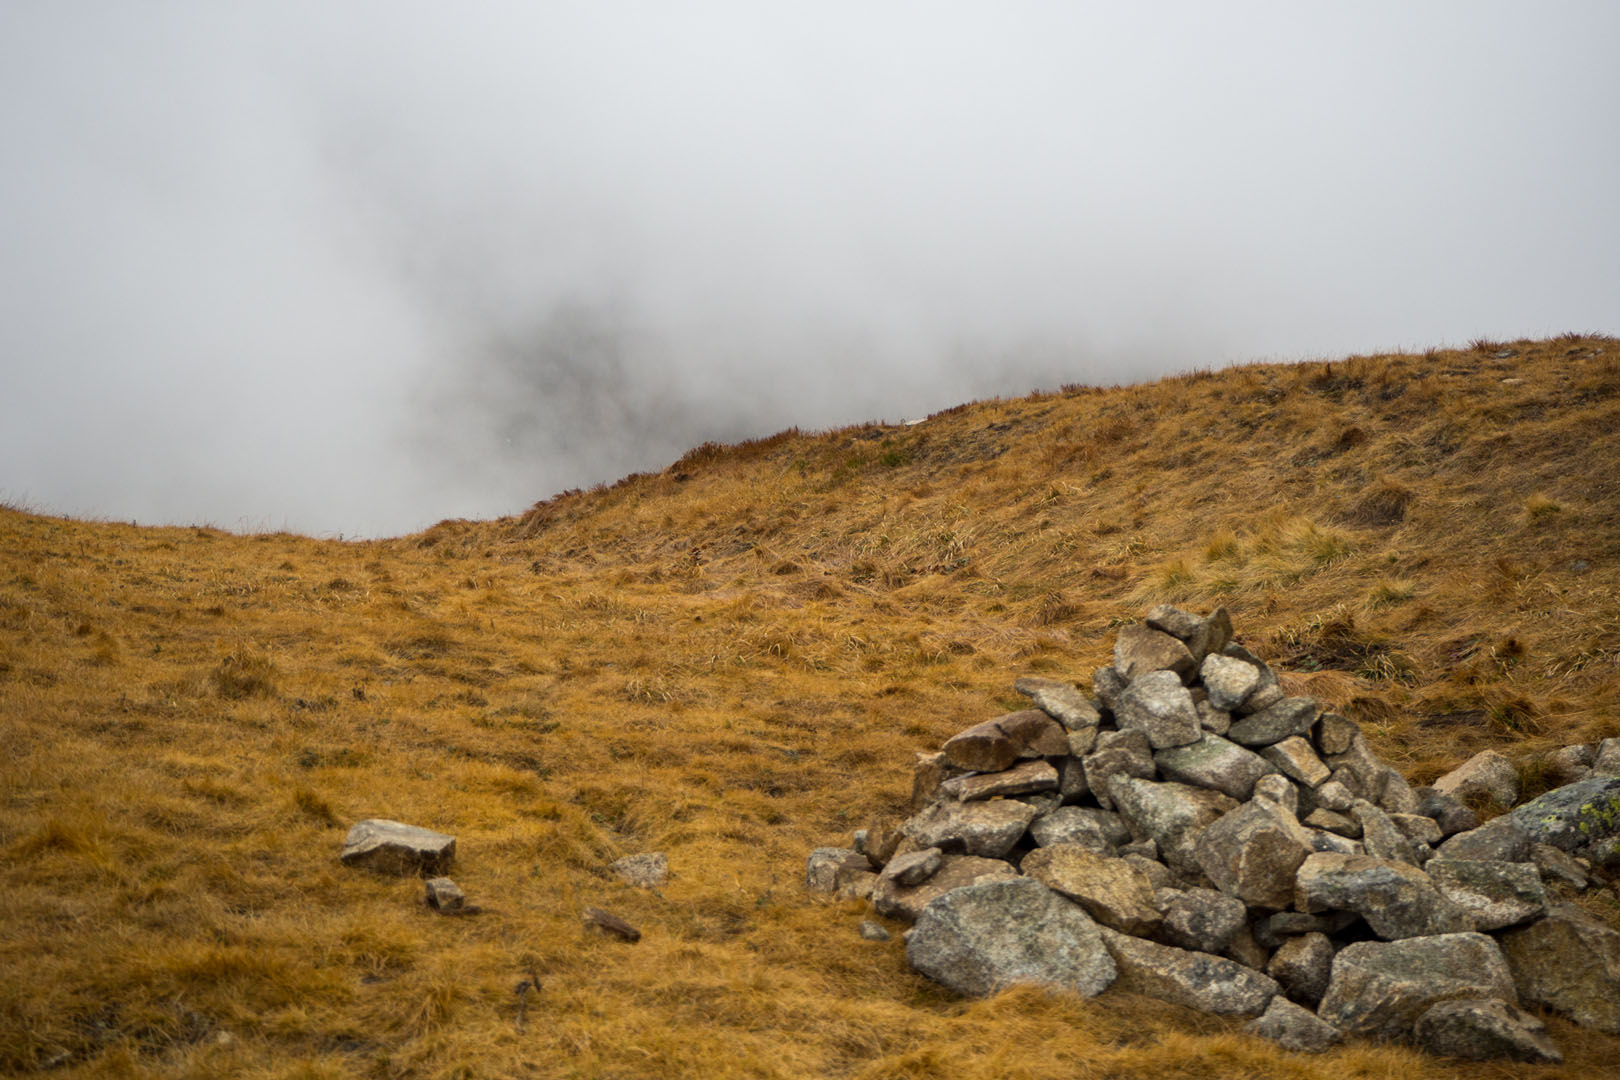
<point>733,661</point>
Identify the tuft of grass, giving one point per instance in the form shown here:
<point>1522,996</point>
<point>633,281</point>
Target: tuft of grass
<point>1540,507</point>
<point>243,675</point>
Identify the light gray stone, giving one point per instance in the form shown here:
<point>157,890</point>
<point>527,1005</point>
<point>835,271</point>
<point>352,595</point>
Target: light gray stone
<point>906,902</point>
<point>914,867</point>
<point>1157,704</point>
<point>445,896</point>
<point>1335,796</point>
<point>1170,814</point>
<point>1288,717</point>
<point>1568,961</point>
<point>1501,839</point>
<point>1102,831</point>
<point>1495,894</point>
<point>1253,852</point>
<point>1380,989</point>
<point>393,847</point>
<point>984,747</point>
<point>873,931</point>
<point>1062,701</point>
<point>1215,763</point>
<point>1359,769</point>
<point>976,828</point>
<point>1203,920</point>
<point>1264,697</point>
<point>981,939</point>
<point>1211,719</point>
<point>1606,760</point>
<point>648,870</point>
<point>1021,779</point>
<point>1569,764</point>
<point>1448,812</point>
<point>1418,828</point>
<point>1107,684</point>
<point>1486,775</point>
<point>1228,680</point>
<point>1381,838</point>
<point>1334,733</point>
<point>840,872</point>
<point>1072,785</point>
<point>1560,866</point>
<point>1118,753</point>
<point>1485,1029</point>
<point>1397,899</point>
<point>1398,797</point>
<point>1197,980</point>
<point>1112,891</point>
<point>1139,650</point>
<point>1334,823</point>
<point>1297,760</point>
<point>1302,966</point>
<point>1277,788</point>
<point>1294,1028</point>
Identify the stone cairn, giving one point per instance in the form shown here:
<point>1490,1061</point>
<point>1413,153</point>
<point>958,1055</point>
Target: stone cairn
<point>1192,833</point>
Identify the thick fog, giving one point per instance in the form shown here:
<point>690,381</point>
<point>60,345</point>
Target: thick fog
<point>355,267</point>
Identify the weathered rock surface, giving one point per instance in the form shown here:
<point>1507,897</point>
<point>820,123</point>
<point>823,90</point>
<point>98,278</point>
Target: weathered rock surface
<point>1118,753</point>
<point>1170,814</point>
<point>906,902</point>
<point>1202,920</point>
<point>1575,816</point>
<point>1302,966</point>
<point>1485,1029</point>
<point>1215,763</point>
<point>1297,760</point>
<point>1495,894</point>
<point>445,896</point>
<point>983,938</point>
<point>1288,717</point>
<point>1228,680</point>
<point>1568,961</point>
<point>1294,1028</point>
<point>981,748</point>
<point>1200,981</point>
<point>1500,839</point>
<point>1486,775</point>
<point>1034,733</point>
<point>648,870</point>
<point>976,828</point>
<point>392,847</point>
<point>1112,891</point>
<point>1062,701</point>
<point>914,867</point>
<point>1027,777</point>
<point>1380,836</point>
<point>1092,828</point>
<point>1397,900</point>
<point>841,872</point>
<point>1158,705</point>
<point>1139,650</point>
<point>1253,853</point>
<point>1380,989</point>
<point>1447,811</point>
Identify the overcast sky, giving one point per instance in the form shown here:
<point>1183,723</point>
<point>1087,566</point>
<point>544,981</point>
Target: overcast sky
<point>355,267</point>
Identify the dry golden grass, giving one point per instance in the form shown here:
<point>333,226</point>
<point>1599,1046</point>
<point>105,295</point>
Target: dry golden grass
<point>732,662</point>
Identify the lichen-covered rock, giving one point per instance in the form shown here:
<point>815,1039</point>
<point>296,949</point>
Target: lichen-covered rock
<point>1170,814</point>
<point>1569,764</point>
<point>1157,704</point>
<point>1253,852</point>
<point>1486,775</point>
<point>906,902</point>
<point>1294,1028</point>
<point>1334,733</point>
<point>1302,967</point>
<point>1288,717</point>
<point>1203,920</point>
<point>393,847</point>
<point>648,870</point>
<point>914,867</point>
<point>1485,1029</point>
<point>1197,980</point>
<point>1062,701</point>
<point>1397,900</point>
<point>1380,989</point>
<point>1112,891</point>
<point>1575,816</point>
<point>1568,961</point>
<point>1500,839</point>
<point>1495,894</point>
<point>976,828</point>
<point>1297,760</point>
<point>1380,836</point>
<point>983,938</point>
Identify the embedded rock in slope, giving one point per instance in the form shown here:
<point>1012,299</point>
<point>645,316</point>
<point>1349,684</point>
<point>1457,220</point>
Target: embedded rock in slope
<point>986,937</point>
<point>392,847</point>
<point>1485,1029</point>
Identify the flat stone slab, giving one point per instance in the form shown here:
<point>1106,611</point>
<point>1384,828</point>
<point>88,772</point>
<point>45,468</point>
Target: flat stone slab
<point>392,847</point>
<point>1288,717</point>
<point>983,938</point>
<point>1210,984</point>
<point>1111,890</point>
<point>906,902</point>
<point>1495,894</point>
<point>976,828</point>
<point>1021,779</point>
<point>1061,701</point>
<point>1215,763</point>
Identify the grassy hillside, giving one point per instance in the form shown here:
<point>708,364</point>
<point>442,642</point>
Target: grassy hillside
<point>733,661</point>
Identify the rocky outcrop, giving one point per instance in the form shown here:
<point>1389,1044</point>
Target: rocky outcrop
<point>392,847</point>
<point>1191,832</point>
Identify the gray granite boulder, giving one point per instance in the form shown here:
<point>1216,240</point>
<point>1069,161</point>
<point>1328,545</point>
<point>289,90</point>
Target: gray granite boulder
<point>1380,989</point>
<point>1118,753</point>
<point>1203,920</point>
<point>1501,839</point>
<point>1570,962</point>
<point>1487,775</point>
<point>983,938</point>
<point>1215,763</point>
<point>1253,852</point>
<point>1062,701</point>
<point>1485,1029</point>
<point>906,902</point>
<point>1302,966</point>
<point>1111,890</point>
<point>1575,816</point>
<point>1102,831</point>
<point>1397,900</point>
<point>1288,717</point>
<point>1139,650</point>
<point>1228,680</point>
<point>975,828</point>
<point>1294,1028</point>
<point>1197,980</point>
<point>1157,704</point>
<point>1495,894</point>
<point>1172,815</point>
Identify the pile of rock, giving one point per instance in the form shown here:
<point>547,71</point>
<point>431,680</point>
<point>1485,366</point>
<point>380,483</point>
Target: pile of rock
<point>1193,833</point>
